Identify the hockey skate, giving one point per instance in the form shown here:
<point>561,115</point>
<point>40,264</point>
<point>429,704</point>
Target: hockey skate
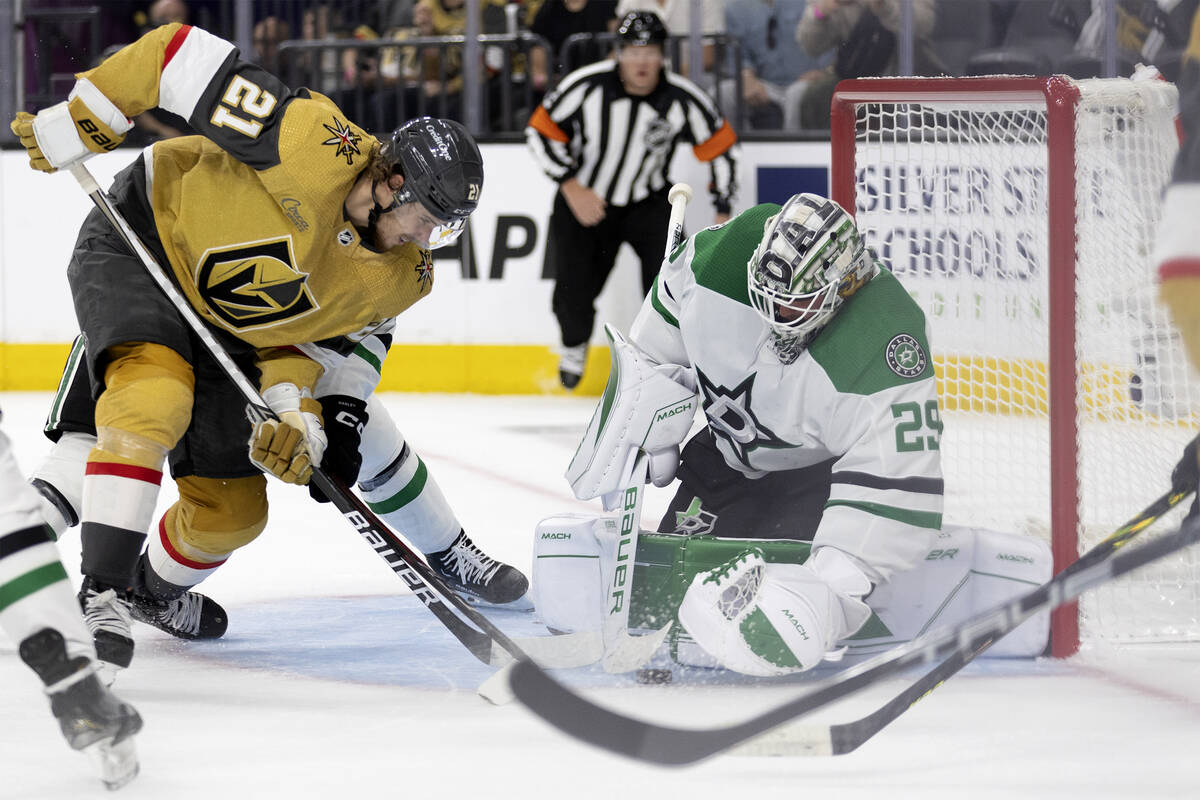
<point>108,615</point>
<point>91,718</point>
<point>189,616</point>
<point>570,365</point>
<point>479,578</point>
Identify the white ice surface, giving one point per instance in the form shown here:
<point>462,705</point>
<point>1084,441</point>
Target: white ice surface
<point>333,684</point>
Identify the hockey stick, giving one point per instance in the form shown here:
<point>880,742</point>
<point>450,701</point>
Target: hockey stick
<point>841,738</point>
<point>485,641</point>
<point>666,745</point>
<point>623,652</point>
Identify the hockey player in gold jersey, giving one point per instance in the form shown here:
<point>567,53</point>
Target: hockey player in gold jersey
<point>283,223</point>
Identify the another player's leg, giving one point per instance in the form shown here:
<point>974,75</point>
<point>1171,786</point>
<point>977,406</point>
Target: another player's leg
<point>39,611</point>
<point>92,718</point>
<point>579,256</point>
<point>399,488</point>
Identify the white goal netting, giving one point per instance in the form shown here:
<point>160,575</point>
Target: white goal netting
<point>964,187</point>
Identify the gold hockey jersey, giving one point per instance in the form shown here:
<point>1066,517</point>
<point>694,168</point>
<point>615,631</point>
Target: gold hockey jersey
<point>250,214</point>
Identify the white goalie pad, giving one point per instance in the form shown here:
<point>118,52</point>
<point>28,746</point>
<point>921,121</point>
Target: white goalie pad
<point>567,581</point>
<point>645,406</point>
<point>968,571</point>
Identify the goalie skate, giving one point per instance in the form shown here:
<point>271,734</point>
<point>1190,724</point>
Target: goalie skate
<point>479,578</point>
<point>91,718</point>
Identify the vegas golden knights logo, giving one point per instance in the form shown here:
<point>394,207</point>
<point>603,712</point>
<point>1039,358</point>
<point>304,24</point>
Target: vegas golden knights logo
<point>254,285</point>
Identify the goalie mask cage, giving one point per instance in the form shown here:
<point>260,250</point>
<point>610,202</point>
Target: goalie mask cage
<point>1021,213</point>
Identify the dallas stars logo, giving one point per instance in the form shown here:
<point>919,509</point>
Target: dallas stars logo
<point>731,418</point>
<point>345,140</point>
<point>694,520</point>
<point>424,272</point>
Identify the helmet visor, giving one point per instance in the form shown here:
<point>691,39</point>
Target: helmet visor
<point>446,233</point>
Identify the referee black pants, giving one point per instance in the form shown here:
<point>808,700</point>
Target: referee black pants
<point>583,257</point>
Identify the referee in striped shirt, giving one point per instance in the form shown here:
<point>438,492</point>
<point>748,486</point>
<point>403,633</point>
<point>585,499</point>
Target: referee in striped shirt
<point>606,135</point>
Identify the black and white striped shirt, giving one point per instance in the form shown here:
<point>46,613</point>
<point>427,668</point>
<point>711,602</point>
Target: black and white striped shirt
<point>620,145</point>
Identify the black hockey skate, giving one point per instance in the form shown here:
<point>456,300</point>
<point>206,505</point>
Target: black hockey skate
<point>571,364</point>
<point>108,614</point>
<point>478,577</point>
<point>189,616</point>
<point>91,718</point>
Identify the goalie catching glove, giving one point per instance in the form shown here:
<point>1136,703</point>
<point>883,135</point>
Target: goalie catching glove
<point>291,446</point>
<point>67,133</point>
<point>775,619</point>
<point>645,405</point>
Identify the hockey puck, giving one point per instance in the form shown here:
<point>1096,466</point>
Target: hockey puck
<point>654,676</point>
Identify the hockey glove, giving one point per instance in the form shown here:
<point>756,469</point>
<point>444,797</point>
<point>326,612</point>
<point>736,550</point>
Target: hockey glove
<point>1186,475</point>
<point>67,133</point>
<point>290,447</point>
<point>774,619</point>
<point>345,419</point>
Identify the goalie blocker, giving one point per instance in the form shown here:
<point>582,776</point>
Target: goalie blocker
<point>967,570</point>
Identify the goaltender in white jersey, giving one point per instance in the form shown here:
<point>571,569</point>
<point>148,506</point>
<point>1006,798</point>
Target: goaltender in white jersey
<point>821,430</point>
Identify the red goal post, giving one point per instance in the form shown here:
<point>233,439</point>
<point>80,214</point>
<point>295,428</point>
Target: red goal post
<point>1020,212</point>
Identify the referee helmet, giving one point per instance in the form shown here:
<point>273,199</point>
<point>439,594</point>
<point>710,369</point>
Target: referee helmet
<point>642,27</point>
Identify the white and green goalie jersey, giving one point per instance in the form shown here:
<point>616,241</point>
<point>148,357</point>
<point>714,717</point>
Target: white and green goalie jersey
<point>862,393</point>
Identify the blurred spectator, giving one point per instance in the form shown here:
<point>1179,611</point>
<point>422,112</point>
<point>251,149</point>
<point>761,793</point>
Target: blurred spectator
<point>863,34</point>
<point>268,33</point>
<point>1146,29</point>
<point>558,19</point>
<point>775,72</point>
<point>163,12</point>
<point>677,16</point>
<point>394,83</point>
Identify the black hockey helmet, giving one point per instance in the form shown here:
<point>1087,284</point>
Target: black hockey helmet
<point>642,27</point>
<point>441,165</point>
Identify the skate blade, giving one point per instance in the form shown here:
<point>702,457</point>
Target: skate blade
<point>106,673</point>
<point>116,764</point>
<point>522,603</point>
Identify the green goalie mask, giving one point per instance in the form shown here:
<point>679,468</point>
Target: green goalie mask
<point>810,259</point>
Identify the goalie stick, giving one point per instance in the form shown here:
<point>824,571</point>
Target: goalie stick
<point>620,649</point>
<point>483,639</point>
<point>845,737</point>
<point>660,744</point>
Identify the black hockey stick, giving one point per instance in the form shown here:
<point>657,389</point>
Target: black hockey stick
<point>426,584</point>
<point>845,737</point>
<point>676,746</point>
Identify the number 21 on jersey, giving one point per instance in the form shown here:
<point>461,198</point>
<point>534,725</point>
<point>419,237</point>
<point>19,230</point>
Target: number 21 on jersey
<point>248,98</point>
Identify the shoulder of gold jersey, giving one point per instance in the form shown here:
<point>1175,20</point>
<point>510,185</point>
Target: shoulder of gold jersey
<point>319,145</point>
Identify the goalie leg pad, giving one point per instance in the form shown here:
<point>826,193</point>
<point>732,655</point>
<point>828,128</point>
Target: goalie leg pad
<point>967,571</point>
<point>568,588</point>
<point>645,406</point>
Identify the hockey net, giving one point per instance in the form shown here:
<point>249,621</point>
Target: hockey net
<point>1020,213</point>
